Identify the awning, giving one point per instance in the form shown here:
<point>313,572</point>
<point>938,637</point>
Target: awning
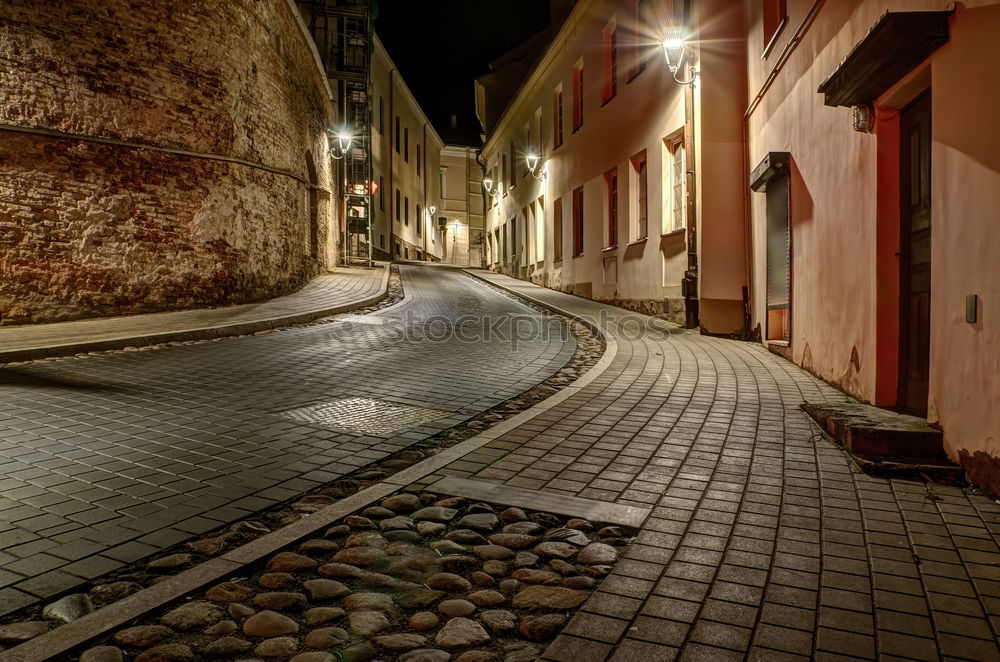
<point>895,45</point>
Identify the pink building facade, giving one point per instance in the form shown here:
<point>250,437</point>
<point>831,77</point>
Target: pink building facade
<point>885,275</point>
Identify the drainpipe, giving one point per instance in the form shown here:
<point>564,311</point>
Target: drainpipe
<point>423,192</point>
<point>392,150</point>
<point>689,285</point>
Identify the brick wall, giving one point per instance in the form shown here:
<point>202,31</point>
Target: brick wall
<point>90,229</point>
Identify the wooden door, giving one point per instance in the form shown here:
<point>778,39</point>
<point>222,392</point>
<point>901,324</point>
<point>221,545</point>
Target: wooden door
<point>915,255</point>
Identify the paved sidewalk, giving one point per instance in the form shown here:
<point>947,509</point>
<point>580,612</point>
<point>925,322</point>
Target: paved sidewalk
<point>107,459</point>
<point>764,541</point>
<point>346,289</point>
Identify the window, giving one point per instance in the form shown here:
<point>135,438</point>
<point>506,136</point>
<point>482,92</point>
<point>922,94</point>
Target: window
<point>381,193</point>
<point>610,38</point>
<point>418,160</point>
<point>513,162</point>
<point>512,225</point>
<point>578,96</point>
<point>578,222</point>
<point>406,210</point>
<point>775,17</point>
<point>641,197</point>
<point>406,144</point>
<point>640,9</point>
<point>397,204</point>
<point>443,184</point>
<point>503,173</point>
<point>675,207</point>
<point>381,117</point>
<point>557,118</point>
<point>420,221</point>
<point>611,179</point>
<point>381,241</point>
<point>557,233</point>
<point>526,141</point>
<point>397,134</point>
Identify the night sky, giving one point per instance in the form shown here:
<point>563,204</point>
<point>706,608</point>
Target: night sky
<point>440,46</point>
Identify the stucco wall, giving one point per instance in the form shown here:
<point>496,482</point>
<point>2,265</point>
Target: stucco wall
<point>395,171</point>
<point>93,229</point>
<point>844,218</point>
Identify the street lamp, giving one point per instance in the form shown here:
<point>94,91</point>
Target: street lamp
<point>490,185</point>
<point>676,49</point>
<point>532,160</point>
<point>341,142</point>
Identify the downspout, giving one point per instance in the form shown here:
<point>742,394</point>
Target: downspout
<point>423,169</point>
<point>689,285</point>
<point>486,207</point>
<point>392,148</point>
<point>779,64</point>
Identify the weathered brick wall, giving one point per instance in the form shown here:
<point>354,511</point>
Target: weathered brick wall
<point>90,229</point>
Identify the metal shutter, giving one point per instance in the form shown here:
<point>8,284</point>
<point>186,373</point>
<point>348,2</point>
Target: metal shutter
<point>778,267</point>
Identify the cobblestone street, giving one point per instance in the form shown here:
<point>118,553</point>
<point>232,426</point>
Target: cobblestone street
<point>759,539</point>
<point>107,459</point>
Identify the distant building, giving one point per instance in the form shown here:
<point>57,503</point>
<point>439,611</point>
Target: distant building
<point>460,216</point>
<point>406,162</point>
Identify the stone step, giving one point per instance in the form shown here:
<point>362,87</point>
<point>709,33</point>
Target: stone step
<point>877,433</point>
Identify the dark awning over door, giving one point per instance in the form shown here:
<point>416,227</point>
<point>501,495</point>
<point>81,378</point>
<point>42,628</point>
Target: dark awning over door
<point>895,45</point>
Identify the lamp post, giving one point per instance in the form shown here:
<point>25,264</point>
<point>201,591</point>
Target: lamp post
<point>677,50</point>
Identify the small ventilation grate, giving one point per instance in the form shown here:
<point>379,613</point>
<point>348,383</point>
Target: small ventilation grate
<point>364,415</point>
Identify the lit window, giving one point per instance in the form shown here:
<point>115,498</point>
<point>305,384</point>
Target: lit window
<point>674,175</point>
<point>641,198</point>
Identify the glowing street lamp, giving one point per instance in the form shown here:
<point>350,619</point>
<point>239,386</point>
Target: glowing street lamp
<point>676,49</point>
<point>489,185</point>
<point>532,160</point>
<point>341,143</point>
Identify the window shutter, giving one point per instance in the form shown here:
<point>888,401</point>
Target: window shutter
<point>778,243</point>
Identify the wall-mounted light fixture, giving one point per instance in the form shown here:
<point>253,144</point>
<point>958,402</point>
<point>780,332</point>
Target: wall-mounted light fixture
<point>340,142</point>
<point>676,49</point>
<point>490,185</point>
<point>532,160</point>
<point>431,210</point>
<point>455,227</point>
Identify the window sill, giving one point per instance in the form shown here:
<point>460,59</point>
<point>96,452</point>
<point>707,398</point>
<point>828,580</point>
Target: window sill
<point>779,343</point>
<point>608,249</point>
<point>577,255</point>
<point>608,100</point>
<point>557,261</point>
<point>674,233</point>
<point>636,242</point>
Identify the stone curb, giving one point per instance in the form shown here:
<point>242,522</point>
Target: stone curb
<point>203,333</point>
<point>58,642</point>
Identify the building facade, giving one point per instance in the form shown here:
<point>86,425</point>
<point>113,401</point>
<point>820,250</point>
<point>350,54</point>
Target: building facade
<point>406,166</point>
<point>635,199</point>
<point>460,217</point>
<point>876,241</point>
<point>159,157</point>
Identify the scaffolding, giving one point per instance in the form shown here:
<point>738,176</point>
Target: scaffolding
<point>342,30</point>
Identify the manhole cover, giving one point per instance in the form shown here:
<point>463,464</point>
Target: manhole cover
<point>364,415</point>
